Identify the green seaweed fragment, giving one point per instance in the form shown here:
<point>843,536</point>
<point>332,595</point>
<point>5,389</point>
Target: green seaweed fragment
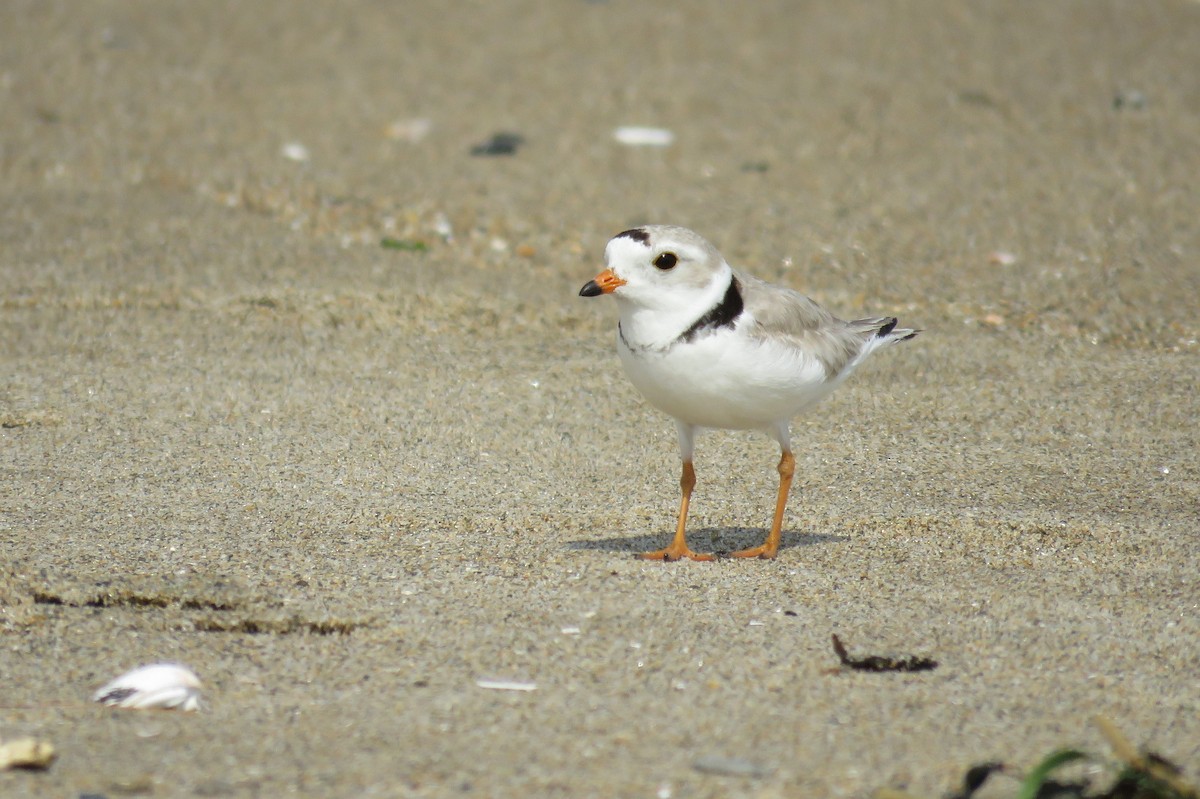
<point>1036,780</point>
<point>404,245</point>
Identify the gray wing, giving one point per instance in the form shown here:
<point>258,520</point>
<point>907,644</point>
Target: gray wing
<point>780,312</point>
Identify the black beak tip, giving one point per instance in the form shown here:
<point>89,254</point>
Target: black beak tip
<point>591,289</point>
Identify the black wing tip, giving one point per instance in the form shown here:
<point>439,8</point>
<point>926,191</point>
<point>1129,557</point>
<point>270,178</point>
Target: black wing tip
<point>888,328</point>
<point>116,695</point>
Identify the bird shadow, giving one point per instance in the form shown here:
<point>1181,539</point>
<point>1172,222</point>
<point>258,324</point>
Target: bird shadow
<point>720,540</point>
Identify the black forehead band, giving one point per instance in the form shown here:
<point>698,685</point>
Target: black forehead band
<point>637,234</point>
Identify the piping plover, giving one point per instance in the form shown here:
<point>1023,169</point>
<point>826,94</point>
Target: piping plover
<point>165,685</point>
<point>715,348</point>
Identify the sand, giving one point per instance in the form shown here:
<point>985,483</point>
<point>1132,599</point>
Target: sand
<point>345,482</point>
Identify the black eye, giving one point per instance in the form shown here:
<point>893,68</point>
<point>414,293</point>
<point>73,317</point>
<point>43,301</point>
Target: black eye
<point>666,261</point>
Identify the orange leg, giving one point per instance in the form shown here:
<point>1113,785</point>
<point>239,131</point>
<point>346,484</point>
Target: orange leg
<point>770,547</point>
<point>679,548</point>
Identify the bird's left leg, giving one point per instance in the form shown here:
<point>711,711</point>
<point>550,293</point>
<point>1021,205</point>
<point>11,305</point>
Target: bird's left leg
<point>787,468</point>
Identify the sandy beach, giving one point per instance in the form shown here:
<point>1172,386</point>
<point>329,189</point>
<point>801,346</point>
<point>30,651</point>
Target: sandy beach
<point>298,391</point>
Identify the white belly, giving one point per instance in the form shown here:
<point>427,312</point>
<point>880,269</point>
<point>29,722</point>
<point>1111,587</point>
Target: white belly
<point>728,381</point>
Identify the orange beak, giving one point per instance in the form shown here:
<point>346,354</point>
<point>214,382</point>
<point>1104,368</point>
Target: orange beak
<point>604,283</point>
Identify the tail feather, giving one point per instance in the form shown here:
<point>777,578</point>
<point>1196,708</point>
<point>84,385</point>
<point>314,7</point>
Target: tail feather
<point>869,335</point>
<point>884,327</point>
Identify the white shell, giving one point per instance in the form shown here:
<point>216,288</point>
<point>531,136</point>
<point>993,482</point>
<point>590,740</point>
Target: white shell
<point>410,130</point>
<point>158,685</point>
<point>637,136</point>
<point>506,685</point>
<point>295,151</point>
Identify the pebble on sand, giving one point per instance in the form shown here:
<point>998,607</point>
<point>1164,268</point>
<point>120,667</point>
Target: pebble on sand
<point>410,130</point>
<point>502,143</point>
<point>26,753</point>
<point>730,766</point>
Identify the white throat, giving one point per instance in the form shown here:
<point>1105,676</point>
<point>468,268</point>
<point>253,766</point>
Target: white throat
<point>658,323</point>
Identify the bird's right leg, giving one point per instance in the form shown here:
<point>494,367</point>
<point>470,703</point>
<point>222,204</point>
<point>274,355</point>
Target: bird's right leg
<point>687,481</point>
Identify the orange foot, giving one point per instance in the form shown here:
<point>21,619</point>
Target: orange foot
<point>676,553</point>
<point>765,552</point>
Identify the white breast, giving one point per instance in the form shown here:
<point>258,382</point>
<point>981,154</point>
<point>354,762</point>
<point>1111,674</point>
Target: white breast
<point>726,379</point>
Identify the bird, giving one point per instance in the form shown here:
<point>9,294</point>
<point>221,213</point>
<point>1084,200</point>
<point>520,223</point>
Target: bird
<point>158,685</point>
<point>716,348</point>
